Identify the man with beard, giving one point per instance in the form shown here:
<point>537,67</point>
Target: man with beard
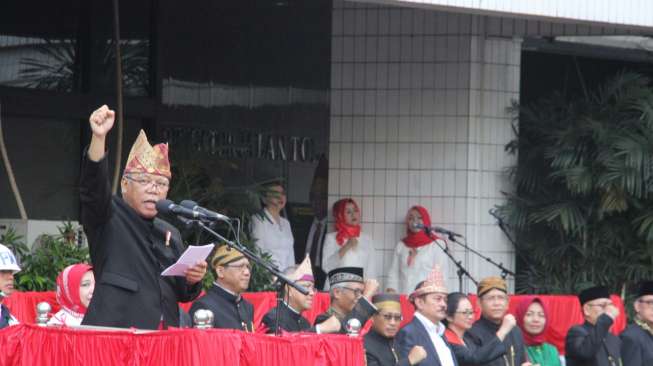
<point>379,341</point>
<point>230,310</point>
<point>129,246</point>
<point>426,328</point>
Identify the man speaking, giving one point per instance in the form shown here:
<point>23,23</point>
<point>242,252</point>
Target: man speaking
<point>129,246</point>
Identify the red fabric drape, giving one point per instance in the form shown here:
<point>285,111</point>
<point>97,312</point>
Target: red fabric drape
<point>564,310</point>
<point>27,344</point>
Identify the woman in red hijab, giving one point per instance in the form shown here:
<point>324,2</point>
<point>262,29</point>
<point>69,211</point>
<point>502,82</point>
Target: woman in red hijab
<point>75,285</point>
<point>348,246</point>
<point>416,253</point>
<point>533,319</point>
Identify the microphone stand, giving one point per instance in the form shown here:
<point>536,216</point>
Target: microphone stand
<point>504,271</point>
<point>462,271</point>
<point>282,279</point>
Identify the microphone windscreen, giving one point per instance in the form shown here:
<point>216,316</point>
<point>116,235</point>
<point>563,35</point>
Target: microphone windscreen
<point>191,205</point>
<point>164,206</point>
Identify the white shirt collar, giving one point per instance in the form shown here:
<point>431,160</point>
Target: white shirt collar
<point>291,308</point>
<point>429,325</point>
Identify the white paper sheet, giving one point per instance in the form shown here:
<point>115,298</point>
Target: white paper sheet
<point>192,255</point>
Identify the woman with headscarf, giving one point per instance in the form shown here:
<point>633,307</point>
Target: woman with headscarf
<point>75,285</point>
<point>533,319</point>
<point>415,254</point>
<point>348,246</point>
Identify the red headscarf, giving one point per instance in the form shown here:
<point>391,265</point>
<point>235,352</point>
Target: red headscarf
<point>68,283</point>
<point>344,230</point>
<point>522,308</point>
<point>421,238</point>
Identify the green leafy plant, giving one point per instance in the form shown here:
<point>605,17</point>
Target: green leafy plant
<point>49,256</point>
<point>200,180</point>
<point>582,209</point>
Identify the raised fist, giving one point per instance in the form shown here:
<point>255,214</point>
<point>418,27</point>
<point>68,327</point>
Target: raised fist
<point>371,287</point>
<point>101,121</point>
<point>509,321</point>
<point>331,325</point>
<point>416,355</point>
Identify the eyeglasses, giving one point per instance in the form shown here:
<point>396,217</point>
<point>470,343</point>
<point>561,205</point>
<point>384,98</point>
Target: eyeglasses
<point>602,305</point>
<point>357,292</point>
<point>466,312</point>
<point>309,286</point>
<point>146,182</point>
<point>495,298</point>
<point>647,302</point>
<point>240,267</point>
<point>390,317</point>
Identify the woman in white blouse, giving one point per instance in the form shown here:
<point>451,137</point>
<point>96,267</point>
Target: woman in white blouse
<point>415,255</point>
<point>348,246</point>
<point>75,285</point>
<point>272,231</point>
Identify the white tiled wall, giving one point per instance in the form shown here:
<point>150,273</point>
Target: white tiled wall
<point>418,116</point>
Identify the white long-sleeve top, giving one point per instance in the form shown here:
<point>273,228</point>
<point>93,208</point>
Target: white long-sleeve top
<point>403,278</point>
<point>65,317</point>
<point>363,255</point>
<point>275,239</point>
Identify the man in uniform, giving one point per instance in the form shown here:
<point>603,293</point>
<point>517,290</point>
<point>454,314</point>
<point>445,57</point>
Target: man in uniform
<point>8,268</point>
<point>637,339</point>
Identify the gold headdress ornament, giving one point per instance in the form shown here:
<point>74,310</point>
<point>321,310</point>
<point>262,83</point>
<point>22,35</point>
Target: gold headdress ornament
<point>145,158</point>
<point>434,283</point>
<point>304,272</point>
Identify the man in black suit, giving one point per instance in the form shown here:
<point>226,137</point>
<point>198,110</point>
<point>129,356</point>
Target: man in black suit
<point>380,348</point>
<point>591,343</point>
<point>129,246</point>
<point>426,328</point>
<point>230,310</point>
<point>637,339</point>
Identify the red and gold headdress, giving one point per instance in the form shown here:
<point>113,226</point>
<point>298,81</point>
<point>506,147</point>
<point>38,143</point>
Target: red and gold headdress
<point>145,158</point>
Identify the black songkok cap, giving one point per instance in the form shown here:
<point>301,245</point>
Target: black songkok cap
<point>645,288</point>
<point>346,274</point>
<point>593,293</point>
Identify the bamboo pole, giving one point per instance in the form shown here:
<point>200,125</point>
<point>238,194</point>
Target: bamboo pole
<point>10,172</point>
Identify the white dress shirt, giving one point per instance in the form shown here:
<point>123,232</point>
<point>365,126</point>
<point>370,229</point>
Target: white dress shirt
<point>436,332</point>
<point>404,278</point>
<point>363,255</point>
<point>274,238</point>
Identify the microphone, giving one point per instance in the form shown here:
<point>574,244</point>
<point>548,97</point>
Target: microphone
<point>169,207</point>
<point>437,229</point>
<point>210,215</point>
